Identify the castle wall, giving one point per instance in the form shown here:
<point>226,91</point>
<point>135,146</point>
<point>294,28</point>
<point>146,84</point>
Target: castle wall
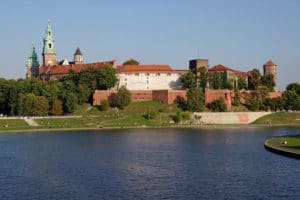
<point>163,96</point>
<point>149,80</point>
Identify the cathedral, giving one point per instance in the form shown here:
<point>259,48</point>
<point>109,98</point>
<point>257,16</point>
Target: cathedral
<point>51,69</point>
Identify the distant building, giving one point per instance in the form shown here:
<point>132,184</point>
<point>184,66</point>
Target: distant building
<point>271,68</point>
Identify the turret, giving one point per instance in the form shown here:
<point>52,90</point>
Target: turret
<point>32,64</point>
<point>78,57</point>
<point>49,52</point>
<point>271,68</point>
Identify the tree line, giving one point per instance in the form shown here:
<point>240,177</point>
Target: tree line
<point>36,97</point>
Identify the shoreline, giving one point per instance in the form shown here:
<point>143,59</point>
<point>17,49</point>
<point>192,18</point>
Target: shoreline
<point>207,127</point>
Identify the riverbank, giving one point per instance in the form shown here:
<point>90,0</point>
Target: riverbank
<point>284,145</point>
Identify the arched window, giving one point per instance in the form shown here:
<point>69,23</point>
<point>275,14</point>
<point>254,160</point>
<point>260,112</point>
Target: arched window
<point>50,45</point>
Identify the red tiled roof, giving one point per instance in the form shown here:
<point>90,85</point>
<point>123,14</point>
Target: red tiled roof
<point>224,68</point>
<point>270,63</point>
<point>219,68</point>
<point>64,69</point>
<point>144,68</point>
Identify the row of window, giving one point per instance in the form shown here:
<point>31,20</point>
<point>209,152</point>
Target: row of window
<point>147,74</point>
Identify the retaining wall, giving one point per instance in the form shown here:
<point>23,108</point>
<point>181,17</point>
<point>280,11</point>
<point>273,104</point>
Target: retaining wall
<point>228,117</point>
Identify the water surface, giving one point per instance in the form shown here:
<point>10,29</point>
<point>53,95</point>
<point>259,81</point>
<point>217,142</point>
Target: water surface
<point>146,164</point>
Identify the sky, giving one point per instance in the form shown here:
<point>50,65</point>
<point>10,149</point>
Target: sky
<point>240,34</point>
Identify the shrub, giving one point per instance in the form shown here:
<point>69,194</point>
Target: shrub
<point>151,115</point>
<point>218,105</point>
<point>104,105</point>
<point>177,118</point>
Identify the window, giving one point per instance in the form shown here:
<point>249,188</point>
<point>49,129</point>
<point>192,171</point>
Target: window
<point>50,45</point>
<point>136,74</point>
<point>169,74</point>
<point>157,74</point>
<point>147,74</point>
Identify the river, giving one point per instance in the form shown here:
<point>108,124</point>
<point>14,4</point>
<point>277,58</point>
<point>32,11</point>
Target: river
<point>146,164</point>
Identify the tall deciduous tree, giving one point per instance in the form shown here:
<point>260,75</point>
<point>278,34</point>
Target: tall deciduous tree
<point>107,78</point>
<point>188,80</point>
<point>255,79</point>
<point>195,100</point>
<point>57,107</point>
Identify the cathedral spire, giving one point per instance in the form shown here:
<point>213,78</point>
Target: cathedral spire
<point>33,59</point>
<point>32,64</point>
<point>49,52</point>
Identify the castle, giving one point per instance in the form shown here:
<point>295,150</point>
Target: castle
<point>146,82</point>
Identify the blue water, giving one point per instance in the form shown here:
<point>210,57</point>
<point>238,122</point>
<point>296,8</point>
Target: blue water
<point>146,164</point>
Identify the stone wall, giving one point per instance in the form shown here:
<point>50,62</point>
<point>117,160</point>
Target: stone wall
<point>228,117</point>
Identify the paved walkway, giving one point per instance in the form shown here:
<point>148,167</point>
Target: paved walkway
<point>31,122</point>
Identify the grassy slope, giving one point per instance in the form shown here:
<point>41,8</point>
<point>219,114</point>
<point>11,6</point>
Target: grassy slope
<point>130,116</point>
<point>280,119</point>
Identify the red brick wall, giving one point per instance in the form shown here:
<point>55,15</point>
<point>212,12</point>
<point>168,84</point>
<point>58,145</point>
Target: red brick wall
<point>163,96</point>
<point>212,95</point>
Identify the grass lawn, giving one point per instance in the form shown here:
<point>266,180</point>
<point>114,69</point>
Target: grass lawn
<point>13,124</point>
<point>285,143</point>
<point>280,119</point>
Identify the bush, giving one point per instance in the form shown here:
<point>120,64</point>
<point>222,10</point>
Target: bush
<point>253,104</point>
<point>151,115</point>
<point>218,105</point>
<point>177,118</point>
<point>186,115</point>
<point>104,105</point>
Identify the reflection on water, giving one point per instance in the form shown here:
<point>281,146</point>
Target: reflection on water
<point>146,164</point>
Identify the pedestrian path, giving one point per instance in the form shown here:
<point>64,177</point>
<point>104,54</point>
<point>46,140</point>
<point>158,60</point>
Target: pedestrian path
<point>30,121</point>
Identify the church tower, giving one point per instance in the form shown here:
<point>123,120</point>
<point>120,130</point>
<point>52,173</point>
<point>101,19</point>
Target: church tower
<point>271,68</point>
<point>49,53</point>
<point>32,64</point>
<point>78,57</point>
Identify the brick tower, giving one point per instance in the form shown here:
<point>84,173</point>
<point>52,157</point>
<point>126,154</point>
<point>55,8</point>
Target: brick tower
<point>271,68</point>
<point>49,53</point>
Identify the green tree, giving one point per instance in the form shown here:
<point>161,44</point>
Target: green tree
<point>104,105</point>
<point>70,102</point>
<point>268,81</point>
<point>131,62</point>
<point>40,106</point>
<point>255,79</point>
<point>292,100</point>
<point>123,98</point>
<point>253,104</point>
<point>195,100</point>
<point>89,77</point>
<point>83,93</point>
<point>188,80</point>
<point>294,86</point>
<point>203,77</point>
<point>57,107</point>
<point>216,80</point>
<point>242,83</point>
<point>218,105</point>
<point>107,78</point>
